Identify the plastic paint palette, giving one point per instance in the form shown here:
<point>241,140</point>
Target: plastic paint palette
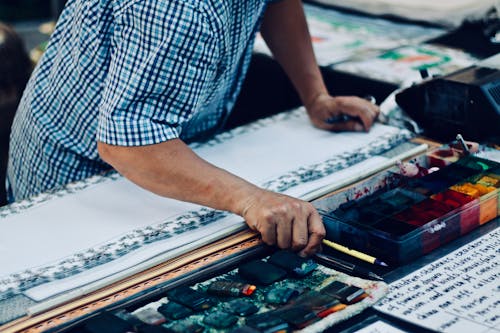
<point>400,224</point>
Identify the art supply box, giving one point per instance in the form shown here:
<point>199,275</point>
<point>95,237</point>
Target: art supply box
<point>397,218</point>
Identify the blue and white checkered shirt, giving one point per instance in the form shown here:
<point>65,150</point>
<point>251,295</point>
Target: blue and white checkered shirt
<point>128,73</point>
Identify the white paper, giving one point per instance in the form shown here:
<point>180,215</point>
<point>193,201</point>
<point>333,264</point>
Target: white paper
<point>135,262</point>
<point>274,150</point>
<point>74,222</point>
<point>457,293</point>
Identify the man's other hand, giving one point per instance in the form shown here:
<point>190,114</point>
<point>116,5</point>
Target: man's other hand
<point>342,113</point>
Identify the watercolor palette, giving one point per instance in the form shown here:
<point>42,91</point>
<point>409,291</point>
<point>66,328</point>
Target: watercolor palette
<point>315,299</point>
<point>408,217</point>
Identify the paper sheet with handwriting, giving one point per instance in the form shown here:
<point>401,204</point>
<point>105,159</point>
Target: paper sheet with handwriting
<point>457,293</point>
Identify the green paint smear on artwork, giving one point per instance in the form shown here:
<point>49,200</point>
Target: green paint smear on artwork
<point>398,56</point>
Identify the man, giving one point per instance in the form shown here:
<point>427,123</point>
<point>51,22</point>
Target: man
<point>127,82</point>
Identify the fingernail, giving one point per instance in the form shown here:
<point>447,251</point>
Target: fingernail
<point>358,127</point>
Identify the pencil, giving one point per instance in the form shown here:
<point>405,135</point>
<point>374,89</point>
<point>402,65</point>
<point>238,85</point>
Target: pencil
<point>354,253</point>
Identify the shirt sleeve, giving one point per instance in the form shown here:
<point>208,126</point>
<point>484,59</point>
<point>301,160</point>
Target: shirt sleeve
<point>163,58</point>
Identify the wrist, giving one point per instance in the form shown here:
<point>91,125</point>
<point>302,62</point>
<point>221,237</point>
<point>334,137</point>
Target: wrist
<point>312,98</point>
<point>310,86</point>
<point>243,198</point>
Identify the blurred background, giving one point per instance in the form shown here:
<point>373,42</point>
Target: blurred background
<point>26,16</point>
<point>21,10</point>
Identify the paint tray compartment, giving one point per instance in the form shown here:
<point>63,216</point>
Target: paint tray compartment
<point>398,220</point>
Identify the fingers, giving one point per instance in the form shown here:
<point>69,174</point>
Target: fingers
<point>293,227</point>
<point>284,235</point>
<point>268,232</point>
<point>300,234</point>
<point>357,108</point>
<point>316,234</point>
<point>343,113</point>
<point>290,224</point>
<point>286,222</point>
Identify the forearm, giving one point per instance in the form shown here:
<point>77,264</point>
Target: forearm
<point>173,170</point>
<point>285,31</point>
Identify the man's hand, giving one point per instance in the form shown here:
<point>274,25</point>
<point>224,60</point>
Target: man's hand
<point>361,112</point>
<point>173,170</point>
<point>284,221</point>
